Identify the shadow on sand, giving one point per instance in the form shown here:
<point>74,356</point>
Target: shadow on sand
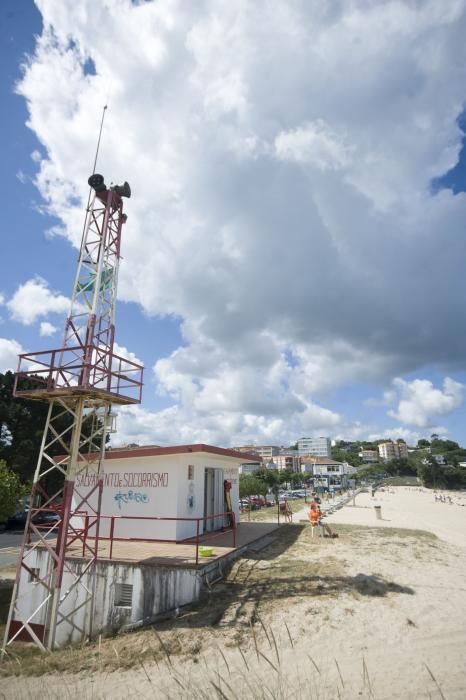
<point>253,584</point>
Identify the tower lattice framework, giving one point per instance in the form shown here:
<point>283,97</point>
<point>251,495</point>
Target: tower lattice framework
<point>80,381</point>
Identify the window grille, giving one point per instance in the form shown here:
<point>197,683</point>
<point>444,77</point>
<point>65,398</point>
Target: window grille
<point>123,595</point>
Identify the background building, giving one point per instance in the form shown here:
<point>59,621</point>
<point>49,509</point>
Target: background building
<point>369,456</point>
<point>265,452</point>
<point>326,473</point>
<point>250,467</point>
<point>320,446</point>
<point>392,450</point>
<point>287,462</point>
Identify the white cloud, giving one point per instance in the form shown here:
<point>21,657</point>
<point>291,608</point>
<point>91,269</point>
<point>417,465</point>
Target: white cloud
<point>9,351</point>
<point>127,354</point>
<point>34,299</point>
<point>389,397</point>
<point>315,144</point>
<point>281,157</point>
<point>421,402</point>
<point>22,177</point>
<point>178,424</point>
<point>47,328</point>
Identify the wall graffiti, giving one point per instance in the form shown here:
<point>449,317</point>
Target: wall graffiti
<point>120,480</point>
<point>135,496</point>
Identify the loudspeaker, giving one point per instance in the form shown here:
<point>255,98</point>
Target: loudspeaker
<point>123,190</point>
<point>96,181</point>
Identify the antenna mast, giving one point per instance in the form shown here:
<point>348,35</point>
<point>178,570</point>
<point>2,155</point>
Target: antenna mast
<point>80,381</point>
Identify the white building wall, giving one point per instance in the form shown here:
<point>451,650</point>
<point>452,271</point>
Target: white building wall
<point>154,590</point>
<point>142,487</point>
<point>190,497</point>
<point>157,486</point>
<point>320,446</point>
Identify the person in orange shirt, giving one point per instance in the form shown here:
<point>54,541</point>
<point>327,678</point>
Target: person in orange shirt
<point>314,512</point>
<point>315,518</point>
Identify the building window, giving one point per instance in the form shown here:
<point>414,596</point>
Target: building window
<point>123,595</point>
<point>190,472</point>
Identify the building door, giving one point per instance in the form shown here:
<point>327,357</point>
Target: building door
<point>213,498</point>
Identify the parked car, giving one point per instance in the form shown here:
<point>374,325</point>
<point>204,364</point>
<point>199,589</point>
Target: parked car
<point>258,501</point>
<point>46,518</point>
<point>18,520</point>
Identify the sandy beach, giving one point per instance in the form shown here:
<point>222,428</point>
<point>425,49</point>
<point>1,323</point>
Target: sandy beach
<point>378,612</point>
<point>409,507</point>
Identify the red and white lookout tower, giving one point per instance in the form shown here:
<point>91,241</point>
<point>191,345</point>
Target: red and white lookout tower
<point>80,381</point>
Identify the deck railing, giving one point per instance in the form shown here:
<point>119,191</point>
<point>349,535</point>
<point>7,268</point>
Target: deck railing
<point>201,537</point>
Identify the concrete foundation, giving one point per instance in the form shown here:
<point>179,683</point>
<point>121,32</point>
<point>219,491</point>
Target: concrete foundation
<point>128,594</point>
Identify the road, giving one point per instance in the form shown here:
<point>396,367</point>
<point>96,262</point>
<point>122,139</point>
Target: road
<point>10,542</point>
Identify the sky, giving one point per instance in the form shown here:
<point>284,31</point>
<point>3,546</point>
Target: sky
<point>293,260</point>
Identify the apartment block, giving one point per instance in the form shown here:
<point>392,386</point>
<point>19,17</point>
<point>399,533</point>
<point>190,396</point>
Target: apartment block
<point>392,450</point>
<point>265,452</point>
<point>320,446</point>
<point>287,462</point>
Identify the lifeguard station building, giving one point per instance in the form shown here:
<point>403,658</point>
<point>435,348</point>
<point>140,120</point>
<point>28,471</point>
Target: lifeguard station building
<point>160,506</point>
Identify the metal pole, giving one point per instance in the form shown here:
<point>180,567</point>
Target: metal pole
<point>112,525</point>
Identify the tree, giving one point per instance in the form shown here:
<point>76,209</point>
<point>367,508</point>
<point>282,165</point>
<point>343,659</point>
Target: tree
<point>343,456</point>
<point>423,443</point>
<point>21,426</point>
<point>296,479</point>
<point>372,471</point>
<point>269,478</point>
<point>11,490</point>
<point>22,423</point>
<point>249,485</point>
<point>439,446</point>
<point>401,467</point>
<point>431,474</point>
<point>285,476</point>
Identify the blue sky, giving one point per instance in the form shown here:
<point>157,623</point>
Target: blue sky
<point>295,243</point>
<point>27,249</point>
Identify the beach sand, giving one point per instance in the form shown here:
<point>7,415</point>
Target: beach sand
<point>409,507</point>
<point>379,613</point>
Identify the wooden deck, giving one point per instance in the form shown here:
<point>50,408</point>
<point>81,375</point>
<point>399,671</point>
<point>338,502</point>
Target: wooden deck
<point>172,554</point>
